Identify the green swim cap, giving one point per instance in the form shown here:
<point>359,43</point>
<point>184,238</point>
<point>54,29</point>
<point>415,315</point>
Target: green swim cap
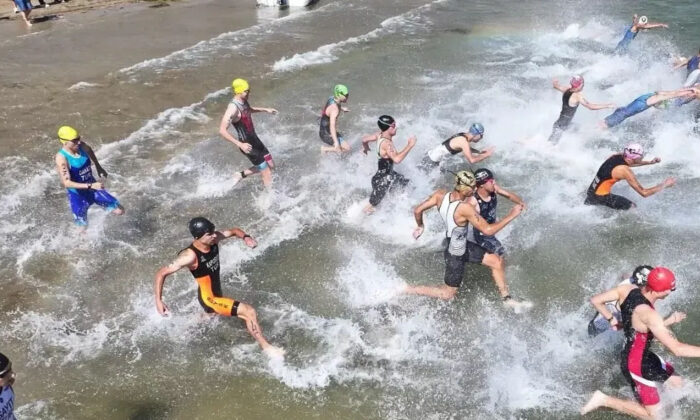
<point>340,90</point>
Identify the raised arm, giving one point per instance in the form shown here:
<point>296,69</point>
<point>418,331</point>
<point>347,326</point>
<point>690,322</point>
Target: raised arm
<point>631,179</point>
<point>656,324</point>
<point>428,204</point>
<point>93,158</point>
<point>592,106</point>
<point>185,259</point>
<point>238,233</point>
<point>556,85</point>
<point>400,156</point>
<point>509,195</point>
<point>468,211</point>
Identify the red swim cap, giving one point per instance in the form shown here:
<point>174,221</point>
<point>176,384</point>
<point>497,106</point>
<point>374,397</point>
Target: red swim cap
<point>576,81</point>
<point>661,279</point>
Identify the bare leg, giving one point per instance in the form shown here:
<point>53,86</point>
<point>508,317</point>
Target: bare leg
<point>495,263</point>
<point>25,16</point>
<point>443,292</point>
<point>633,408</point>
<point>267,176</point>
<point>248,314</point>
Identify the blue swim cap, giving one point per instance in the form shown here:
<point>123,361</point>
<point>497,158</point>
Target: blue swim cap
<point>476,129</point>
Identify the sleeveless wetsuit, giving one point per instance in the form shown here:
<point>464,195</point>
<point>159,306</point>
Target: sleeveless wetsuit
<point>245,131</point>
<point>599,191</point>
<point>7,403</point>
<point>80,170</point>
<point>455,253</point>
<point>640,366</point>
<point>565,116</point>
<point>444,149</point>
<point>624,112</point>
<point>206,273</point>
<point>693,64</point>
<point>487,210</point>
<point>385,178</point>
<point>324,130</point>
<point>624,43</point>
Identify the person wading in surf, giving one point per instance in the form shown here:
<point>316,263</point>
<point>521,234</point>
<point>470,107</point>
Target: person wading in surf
<point>457,214</point>
<point>202,259</point>
<point>642,368</point>
<point>328,125</point>
<point>570,100</point>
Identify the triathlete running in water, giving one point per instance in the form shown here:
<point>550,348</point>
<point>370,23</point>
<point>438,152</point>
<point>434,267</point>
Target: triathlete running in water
<point>642,368</point>
<point>570,101</point>
<point>599,324</point>
<point>328,128</point>
<point>202,259</point>
<point>458,214</point>
<point>692,66</point>
<point>459,143</point>
<point>385,179</point>
<point>237,127</point>
<point>618,167</point>
<point>7,393</point>
<point>631,32</point>
<point>642,103</point>
<point>74,165</point>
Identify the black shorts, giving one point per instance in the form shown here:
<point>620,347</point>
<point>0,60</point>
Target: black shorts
<point>489,243</point>
<point>259,154</point>
<point>454,265</point>
<point>613,201</point>
<point>383,182</point>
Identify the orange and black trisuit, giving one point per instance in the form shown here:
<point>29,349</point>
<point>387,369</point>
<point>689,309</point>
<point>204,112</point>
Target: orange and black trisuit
<point>206,272</point>
<point>599,190</point>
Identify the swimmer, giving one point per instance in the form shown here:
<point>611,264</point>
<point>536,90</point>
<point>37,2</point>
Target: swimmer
<point>237,127</point>
<point>460,142</point>
<point>642,368</point>
<point>386,179</point>
<point>631,32</point>
<point>486,249</point>
<point>642,103</point>
<point>599,324</point>
<point>202,259</point>
<point>7,393</point>
<point>74,166</point>
<point>328,129</point>
<point>692,66</point>
<point>616,168</point>
<point>570,101</point>
<point>458,214</point>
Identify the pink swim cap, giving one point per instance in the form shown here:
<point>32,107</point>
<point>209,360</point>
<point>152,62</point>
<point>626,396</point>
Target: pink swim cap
<point>576,82</point>
<point>633,151</point>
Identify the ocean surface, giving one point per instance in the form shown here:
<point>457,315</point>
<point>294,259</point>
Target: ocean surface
<point>147,88</point>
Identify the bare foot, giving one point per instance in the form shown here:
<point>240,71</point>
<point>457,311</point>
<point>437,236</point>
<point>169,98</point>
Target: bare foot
<point>594,403</point>
<point>369,209</point>
<point>274,352</point>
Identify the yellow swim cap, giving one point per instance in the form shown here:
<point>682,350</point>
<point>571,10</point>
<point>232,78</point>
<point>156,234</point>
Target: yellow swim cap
<point>67,133</point>
<point>239,86</point>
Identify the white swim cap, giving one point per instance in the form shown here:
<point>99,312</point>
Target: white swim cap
<point>643,20</point>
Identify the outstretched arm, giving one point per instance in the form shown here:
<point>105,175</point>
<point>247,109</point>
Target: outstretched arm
<point>268,110</point>
<point>651,25</point>
<point>509,195</point>
<point>646,162</point>
<point>400,156</point>
<point>656,324</point>
<point>185,259</point>
<point>238,233</point>
<point>594,107</point>
<point>468,153</point>
<point>628,175</point>
<point>482,225</point>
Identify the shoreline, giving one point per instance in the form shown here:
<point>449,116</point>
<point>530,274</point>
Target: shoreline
<point>56,9</point>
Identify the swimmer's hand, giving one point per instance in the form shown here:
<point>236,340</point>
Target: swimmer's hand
<point>246,147</point>
<point>417,232</point>
<point>488,151</point>
<point>365,148</point>
<point>655,160</point>
<point>271,110</point>
<point>101,172</point>
<point>344,109</point>
<point>516,210</point>
<point>669,182</point>
<point>97,186</point>
<point>412,141</point>
<point>675,318</point>
<point>162,308</point>
<point>252,243</point>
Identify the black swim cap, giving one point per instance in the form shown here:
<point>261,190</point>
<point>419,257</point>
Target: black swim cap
<point>640,274</point>
<point>482,176</point>
<point>4,364</point>
<point>384,122</point>
<point>199,226</point>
